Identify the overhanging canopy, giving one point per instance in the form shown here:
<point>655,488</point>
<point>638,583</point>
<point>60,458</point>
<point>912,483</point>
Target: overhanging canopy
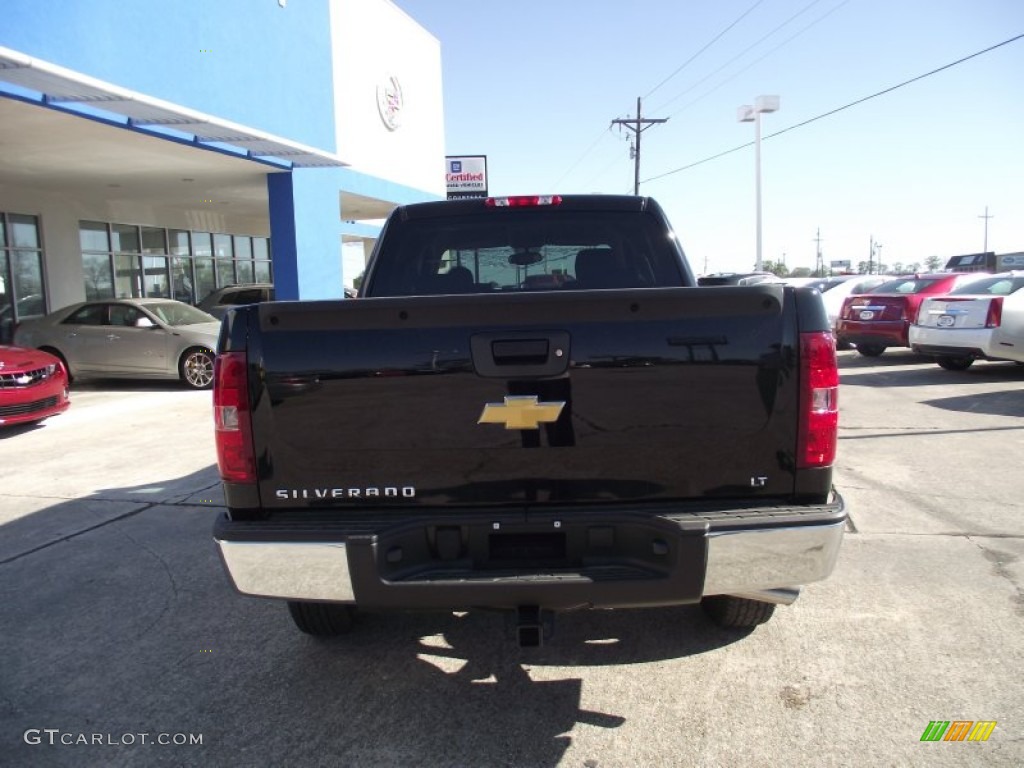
<point>65,89</point>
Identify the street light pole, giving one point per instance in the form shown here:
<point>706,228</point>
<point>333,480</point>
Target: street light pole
<point>752,114</point>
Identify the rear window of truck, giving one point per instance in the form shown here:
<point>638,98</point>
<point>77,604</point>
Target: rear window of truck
<point>524,250</point>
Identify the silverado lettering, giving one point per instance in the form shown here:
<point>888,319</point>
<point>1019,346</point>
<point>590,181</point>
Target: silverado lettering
<point>580,425</point>
<point>389,492</point>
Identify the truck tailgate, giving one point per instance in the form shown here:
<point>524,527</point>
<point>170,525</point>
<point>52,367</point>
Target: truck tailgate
<point>481,400</point>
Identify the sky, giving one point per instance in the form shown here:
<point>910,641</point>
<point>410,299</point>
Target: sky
<point>535,85</point>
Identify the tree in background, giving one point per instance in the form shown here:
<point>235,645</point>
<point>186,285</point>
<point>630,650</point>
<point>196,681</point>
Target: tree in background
<point>933,263</point>
<point>775,267</point>
<point>871,268</point>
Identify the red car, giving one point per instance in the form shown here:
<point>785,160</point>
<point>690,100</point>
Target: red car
<point>881,318</point>
<point>33,386</point>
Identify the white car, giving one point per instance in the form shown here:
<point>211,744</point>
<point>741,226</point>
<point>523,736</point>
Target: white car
<point>982,320</point>
<point>835,289</point>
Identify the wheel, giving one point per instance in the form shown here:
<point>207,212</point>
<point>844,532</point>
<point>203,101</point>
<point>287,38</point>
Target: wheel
<point>196,368</point>
<point>736,612</point>
<point>870,350</point>
<point>322,619</point>
<point>955,363</point>
<point>61,357</point>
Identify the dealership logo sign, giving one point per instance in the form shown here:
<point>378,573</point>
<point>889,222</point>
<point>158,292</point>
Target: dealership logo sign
<point>390,103</point>
<point>466,176</point>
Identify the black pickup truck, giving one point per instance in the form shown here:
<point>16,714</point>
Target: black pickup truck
<point>532,407</point>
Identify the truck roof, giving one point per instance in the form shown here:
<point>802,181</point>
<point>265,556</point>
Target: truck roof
<point>566,202</point>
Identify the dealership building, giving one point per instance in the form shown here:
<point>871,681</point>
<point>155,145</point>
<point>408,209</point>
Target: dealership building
<point>156,148</point>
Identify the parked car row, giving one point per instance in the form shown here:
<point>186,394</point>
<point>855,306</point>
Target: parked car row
<point>128,338</point>
<point>132,338</point>
<point>881,317</point>
<point>955,317</point>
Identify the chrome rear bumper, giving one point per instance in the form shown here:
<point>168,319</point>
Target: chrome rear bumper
<point>761,563</point>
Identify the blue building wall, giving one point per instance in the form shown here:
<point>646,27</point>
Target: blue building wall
<point>248,61</point>
<point>306,233</point>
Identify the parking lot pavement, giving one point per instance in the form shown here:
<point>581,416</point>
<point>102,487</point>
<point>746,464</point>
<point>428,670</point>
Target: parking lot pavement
<point>120,448</point>
<point>119,624</point>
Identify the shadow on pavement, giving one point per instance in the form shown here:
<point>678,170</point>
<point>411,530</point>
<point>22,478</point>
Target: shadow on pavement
<point>880,374</point>
<point>992,403</point>
<point>127,624</point>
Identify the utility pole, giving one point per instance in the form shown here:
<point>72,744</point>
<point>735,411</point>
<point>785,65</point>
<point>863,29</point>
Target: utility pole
<point>819,266</point>
<point>986,217</point>
<point>638,125</point>
<point>871,253</point>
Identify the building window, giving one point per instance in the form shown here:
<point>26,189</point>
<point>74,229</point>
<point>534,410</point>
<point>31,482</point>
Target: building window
<point>121,260</point>
<point>127,276</point>
<point>22,288</point>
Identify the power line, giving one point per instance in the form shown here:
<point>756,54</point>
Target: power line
<point>756,61</point>
<point>838,109</point>
<point>742,53</point>
<point>582,157</point>
<point>655,88</point>
<point>714,40</point>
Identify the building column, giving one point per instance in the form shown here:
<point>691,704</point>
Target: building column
<point>305,231</point>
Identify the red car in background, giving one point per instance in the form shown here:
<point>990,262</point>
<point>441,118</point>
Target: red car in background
<point>33,386</point>
<point>881,317</point>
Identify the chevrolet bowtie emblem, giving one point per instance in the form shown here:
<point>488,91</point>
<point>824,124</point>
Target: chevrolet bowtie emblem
<point>520,412</point>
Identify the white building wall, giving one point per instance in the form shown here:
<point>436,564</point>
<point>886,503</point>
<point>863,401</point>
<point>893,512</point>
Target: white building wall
<point>375,41</point>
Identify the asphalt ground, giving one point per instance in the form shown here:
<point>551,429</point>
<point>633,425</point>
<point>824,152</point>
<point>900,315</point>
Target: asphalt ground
<point>123,644</point>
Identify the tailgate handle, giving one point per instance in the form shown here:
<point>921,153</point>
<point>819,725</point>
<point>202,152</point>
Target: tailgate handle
<point>520,352</point>
<point>516,354</point>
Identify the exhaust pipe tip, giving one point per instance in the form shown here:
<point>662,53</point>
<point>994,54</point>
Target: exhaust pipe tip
<point>778,596</point>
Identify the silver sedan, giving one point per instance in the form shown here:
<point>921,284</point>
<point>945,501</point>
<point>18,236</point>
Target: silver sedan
<point>128,338</point>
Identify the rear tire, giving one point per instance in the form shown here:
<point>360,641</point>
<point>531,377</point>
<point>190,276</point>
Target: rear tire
<point>870,350</point>
<point>322,619</point>
<point>955,363</point>
<point>196,368</point>
<point>736,612</point>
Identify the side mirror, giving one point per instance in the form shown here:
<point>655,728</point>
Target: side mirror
<point>144,322</point>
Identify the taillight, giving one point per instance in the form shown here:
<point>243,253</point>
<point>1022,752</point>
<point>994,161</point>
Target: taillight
<point>995,312</point>
<point>235,454</point>
<point>819,400</point>
<point>522,201</point>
